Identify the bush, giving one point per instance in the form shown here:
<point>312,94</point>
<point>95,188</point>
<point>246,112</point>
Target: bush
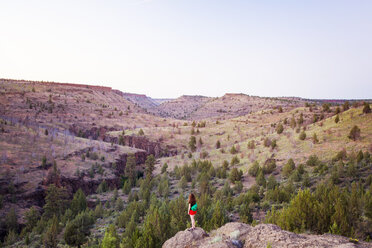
<point>164,168</point>
<point>313,160</point>
<point>288,168</point>
<point>233,150</point>
<point>254,169</point>
<point>251,144</point>
<point>235,160</point>
<point>337,119</point>
<point>267,142</point>
<point>279,129</point>
<point>218,144</point>
<point>354,133</point>
<point>302,135</point>
<point>140,132</point>
<point>235,175</point>
<point>315,139</point>
<point>269,166</point>
<point>366,108</point>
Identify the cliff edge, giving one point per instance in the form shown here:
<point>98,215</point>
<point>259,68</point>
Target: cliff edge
<point>239,235</point>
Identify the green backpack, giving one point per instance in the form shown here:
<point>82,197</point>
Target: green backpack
<point>194,207</point>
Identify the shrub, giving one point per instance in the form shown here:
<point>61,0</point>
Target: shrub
<point>235,160</point>
<point>288,168</point>
<point>279,129</point>
<point>269,166</point>
<point>313,160</point>
<point>346,105</point>
<point>337,119</point>
<point>267,142</point>
<point>354,133</point>
<point>140,132</point>
<point>164,168</point>
<point>366,108</point>
<point>218,144</point>
<point>233,150</point>
<point>192,143</point>
<point>251,144</point>
<point>302,136</point>
<point>254,169</point>
<point>235,175</point>
<point>315,139</point>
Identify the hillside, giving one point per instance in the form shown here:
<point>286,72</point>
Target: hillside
<point>255,160</point>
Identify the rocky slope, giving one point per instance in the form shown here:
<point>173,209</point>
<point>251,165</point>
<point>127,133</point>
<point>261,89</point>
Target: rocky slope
<point>239,235</point>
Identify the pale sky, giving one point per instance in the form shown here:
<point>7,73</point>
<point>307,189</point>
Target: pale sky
<point>168,48</point>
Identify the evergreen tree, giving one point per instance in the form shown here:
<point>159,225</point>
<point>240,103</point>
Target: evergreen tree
<point>366,108</point>
<point>254,169</point>
<point>55,201</point>
<point>219,217</point>
<point>346,105</point>
<point>79,202</point>
<point>140,132</point>
<point>279,128</point>
<point>354,133</point>
<point>302,135</point>
<point>130,168</point>
<point>260,179</point>
<point>315,139</point>
<point>337,119</point>
<point>235,175</point>
<point>111,238</point>
<point>218,144</point>
<point>288,168</point>
<point>192,143</point>
<point>150,165</point>
<point>50,237</point>
<point>293,122</point>
<point>78,229</point>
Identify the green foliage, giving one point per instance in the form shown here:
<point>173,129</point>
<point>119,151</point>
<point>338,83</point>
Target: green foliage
<point>288,168</point>
<point>79,202</point>
<point>269,166</point>
<point>279,128</point>
<point>337,119</point>
<point>346,105</point>
<point>150,165</point>
<point>315,139</point>
<point>164,168</point>
<point>111,238</point>
<point>366,108</point>
<point>50,237</point>
<point>302,135</point>
<point>251,144</point>
<point>235,160</point>
<point>235,175</point>
<point>233,150</point>
<point>140,132</point>
<point>192,143</point>
<point>102,187</point>
<point>78,229</point>
<point>218,144</point>
<point>182,183</point>
<point>260,179</point>
<point>130,168</point>
<point>55,201</point>
<point>11,221</point>
<point>127,187</point>
<point>31,216</point>
<point>313,160</point>
<point>254,169</point>
<point>354,133</point>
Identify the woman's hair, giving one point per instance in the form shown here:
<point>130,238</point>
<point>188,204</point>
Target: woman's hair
<point>192,200</point>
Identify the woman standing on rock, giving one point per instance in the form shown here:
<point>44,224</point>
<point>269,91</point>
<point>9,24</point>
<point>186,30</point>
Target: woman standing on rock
<point>192,210</point>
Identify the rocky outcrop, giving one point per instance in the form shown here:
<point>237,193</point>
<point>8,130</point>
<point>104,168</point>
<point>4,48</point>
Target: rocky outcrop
<point>239,235</point>
<point>141,142</point>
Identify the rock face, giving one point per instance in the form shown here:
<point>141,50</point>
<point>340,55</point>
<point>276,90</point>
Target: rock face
<point>239,235</point>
